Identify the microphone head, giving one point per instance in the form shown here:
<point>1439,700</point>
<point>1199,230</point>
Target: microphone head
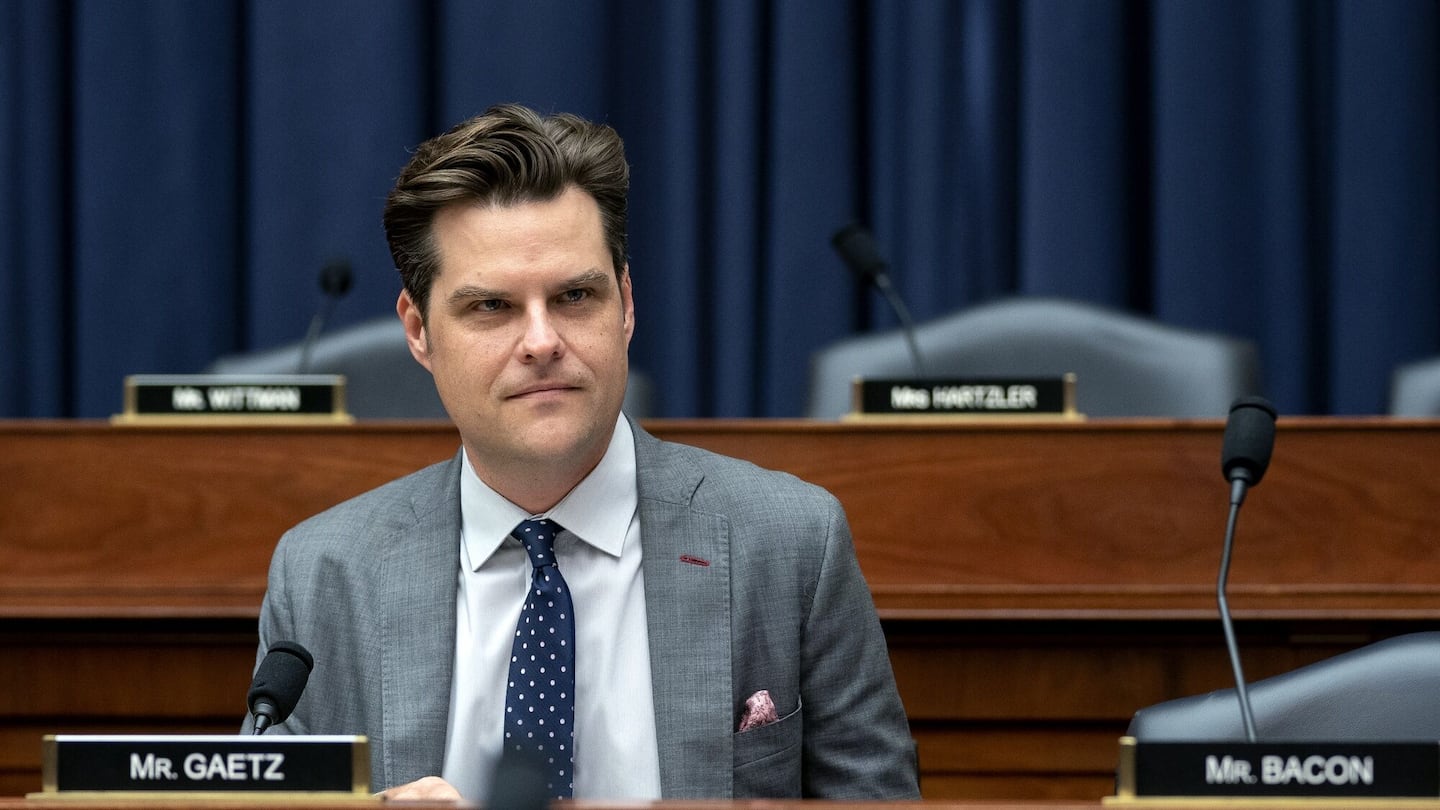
<point>280,679</point>
<point>335,278</point>
<point>518,783</point>
<point>857,247</point>
<point>1249,439</point>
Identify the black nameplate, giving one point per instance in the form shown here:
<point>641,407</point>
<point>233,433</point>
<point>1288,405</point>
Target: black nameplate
<point>989,396</point>
<point>187,397</point>
<point>205,763</point>
<point>1279,769</point>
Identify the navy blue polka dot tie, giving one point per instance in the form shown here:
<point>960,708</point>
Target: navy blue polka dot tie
<point>540,696</point>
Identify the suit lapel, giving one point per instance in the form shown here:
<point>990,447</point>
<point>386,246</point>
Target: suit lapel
<point>687,603</point>
<point>421,568</point>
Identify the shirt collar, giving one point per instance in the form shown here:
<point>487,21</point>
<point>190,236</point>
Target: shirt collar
<point>598,510</point>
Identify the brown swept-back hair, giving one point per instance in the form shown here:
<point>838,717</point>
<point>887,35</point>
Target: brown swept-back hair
<point>507,155</point>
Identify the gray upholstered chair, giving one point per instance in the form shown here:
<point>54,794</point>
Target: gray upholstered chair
<point>383,381</point>
<point>1126,365</point>
<point>1415,389</point>
<point>1383,691</point>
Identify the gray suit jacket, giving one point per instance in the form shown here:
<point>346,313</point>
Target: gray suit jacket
<point>369,587</point>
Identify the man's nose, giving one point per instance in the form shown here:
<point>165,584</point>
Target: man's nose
<point>541,340</point>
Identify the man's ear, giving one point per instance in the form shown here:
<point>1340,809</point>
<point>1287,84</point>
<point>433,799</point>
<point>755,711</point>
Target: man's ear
<point>414,322</point>
<point>627,303</point>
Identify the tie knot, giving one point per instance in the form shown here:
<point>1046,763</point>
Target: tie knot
<point>538,538</point>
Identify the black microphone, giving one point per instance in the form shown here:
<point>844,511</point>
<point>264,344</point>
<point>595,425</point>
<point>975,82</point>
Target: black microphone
<point>1244,456</point>
<point>335,280</point>
<point>279,681</point>
<point>857,247</point>
<point>1249,440</point>
<point>519,783</point>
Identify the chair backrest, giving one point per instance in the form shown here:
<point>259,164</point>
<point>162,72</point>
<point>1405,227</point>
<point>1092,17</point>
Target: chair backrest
<point>1415,389</point>
<point>1125,365</point>
<point>383,381</point>
<point>1384,691</point>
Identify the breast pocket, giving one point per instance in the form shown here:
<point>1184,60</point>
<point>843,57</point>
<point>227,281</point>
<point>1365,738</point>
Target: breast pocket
<point>767,759</point>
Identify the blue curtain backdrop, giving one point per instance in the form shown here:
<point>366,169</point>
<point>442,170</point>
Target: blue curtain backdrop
<point>173,174</point>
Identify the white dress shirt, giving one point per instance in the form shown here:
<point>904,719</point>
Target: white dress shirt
<point>616,756</point>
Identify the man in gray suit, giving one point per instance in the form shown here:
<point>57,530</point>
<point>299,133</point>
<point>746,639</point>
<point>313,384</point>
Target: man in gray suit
<point>723,642</point>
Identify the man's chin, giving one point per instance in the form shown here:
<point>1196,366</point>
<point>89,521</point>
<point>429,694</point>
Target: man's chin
<point>559,440</point>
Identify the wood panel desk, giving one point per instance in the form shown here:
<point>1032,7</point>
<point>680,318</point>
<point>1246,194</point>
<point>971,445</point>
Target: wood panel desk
<point>16,803</point>
<point>1038,582</point>
<point>310,803</point>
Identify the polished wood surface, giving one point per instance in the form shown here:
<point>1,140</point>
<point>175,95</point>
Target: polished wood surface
<point>16,803</point>
<point>1038,582</point>
<point>322,803</point>
<point>951,520</point>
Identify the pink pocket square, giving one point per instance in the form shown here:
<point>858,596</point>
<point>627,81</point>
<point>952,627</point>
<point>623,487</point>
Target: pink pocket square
<point>759,711</point>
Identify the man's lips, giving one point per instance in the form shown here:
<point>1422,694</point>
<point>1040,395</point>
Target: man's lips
<point>542,390</point>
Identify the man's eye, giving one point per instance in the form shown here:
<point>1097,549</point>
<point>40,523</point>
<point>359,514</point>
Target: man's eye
<point>488,305</point>
<point>574,296</point>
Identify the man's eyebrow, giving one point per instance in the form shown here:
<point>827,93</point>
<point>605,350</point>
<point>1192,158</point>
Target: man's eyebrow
<point>470,292</point>
<point>589,277</point>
